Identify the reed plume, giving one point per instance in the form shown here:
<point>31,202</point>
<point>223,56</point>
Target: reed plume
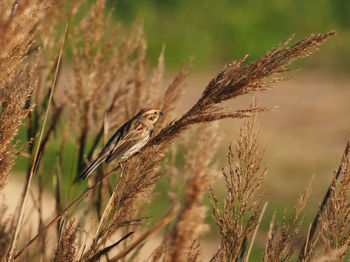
<point>19,75</point>
<point>66,247</point>
<point>243,199</point>
<point>334,222</point>
<point>281,242</point>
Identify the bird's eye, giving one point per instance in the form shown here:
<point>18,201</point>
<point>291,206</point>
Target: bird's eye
<point>155,113</point>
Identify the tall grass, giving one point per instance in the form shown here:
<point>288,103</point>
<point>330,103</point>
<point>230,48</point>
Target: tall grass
<point>111,81</point>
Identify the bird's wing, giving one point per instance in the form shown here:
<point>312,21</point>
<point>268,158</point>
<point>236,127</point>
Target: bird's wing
<point>135,135</point>
<point>117,136</point>
<point>121,150</point>
<point>87,172</point>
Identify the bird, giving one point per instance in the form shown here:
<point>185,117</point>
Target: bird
<point>127,140</point>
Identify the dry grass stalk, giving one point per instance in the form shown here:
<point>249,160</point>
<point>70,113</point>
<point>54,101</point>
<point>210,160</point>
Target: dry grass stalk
<point>194,252</point>
<point>19,31</point>
<point>66,247</point>
<point>334,222</point>
<point>236,80</point>
<point>281,243</point>
<point>238,215</point>
<point>255,232</point>
<point>20,75</point>
<point>13,97</point>
<point>307,250</point>
<point>33,169</point>
<point>107,249</point>
<point>19,27</point>
<point>160,224</point>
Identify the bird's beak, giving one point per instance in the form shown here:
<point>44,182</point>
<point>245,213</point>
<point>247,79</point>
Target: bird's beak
<point>161,113</point>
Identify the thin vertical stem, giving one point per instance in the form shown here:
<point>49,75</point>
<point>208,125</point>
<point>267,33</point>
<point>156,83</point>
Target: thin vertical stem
<point>255,232</point>
<point>108,208</point>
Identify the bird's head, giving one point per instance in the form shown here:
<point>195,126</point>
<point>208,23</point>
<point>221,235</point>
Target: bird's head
<point>151,115</point>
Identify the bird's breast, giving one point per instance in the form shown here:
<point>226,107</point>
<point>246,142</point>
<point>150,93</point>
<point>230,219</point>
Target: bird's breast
<point>137,146</point>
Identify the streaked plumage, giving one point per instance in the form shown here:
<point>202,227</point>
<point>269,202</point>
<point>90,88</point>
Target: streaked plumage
<point>128,139</point>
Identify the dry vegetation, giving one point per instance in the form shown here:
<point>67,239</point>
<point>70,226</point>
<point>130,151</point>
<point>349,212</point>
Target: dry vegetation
<point>110,84</point>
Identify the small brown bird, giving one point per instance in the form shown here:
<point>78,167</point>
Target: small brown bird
<point>128,139</point>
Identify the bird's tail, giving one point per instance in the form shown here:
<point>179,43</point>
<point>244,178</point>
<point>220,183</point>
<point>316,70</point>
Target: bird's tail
<point>92,167</point>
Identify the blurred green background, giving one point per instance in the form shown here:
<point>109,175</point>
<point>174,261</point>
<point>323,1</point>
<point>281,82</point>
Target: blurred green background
<point>214,32</point>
